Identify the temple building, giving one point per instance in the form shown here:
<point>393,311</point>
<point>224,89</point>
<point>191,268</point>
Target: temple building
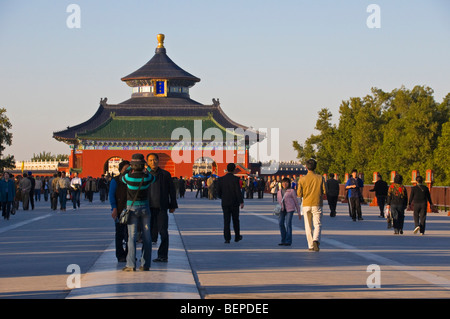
<point>160,117</point>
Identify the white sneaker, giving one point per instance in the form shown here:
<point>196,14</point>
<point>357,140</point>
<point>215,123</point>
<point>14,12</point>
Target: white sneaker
<point>416,229</point>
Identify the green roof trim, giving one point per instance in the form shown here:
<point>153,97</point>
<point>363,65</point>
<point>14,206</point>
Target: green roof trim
<point>149,128</point>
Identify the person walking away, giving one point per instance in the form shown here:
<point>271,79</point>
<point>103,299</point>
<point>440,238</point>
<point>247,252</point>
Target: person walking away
<point>243,184</point>
<point>75,187</point>
<point>54,196</point>
<point>25,186</point>
<point>163,198</point>
<point>46,187</point>
<point>18,197</point>
<point>420,197</point>
<point>90,188</point>
<point>261,186</point>
<point>118,201</point>
<point>199,185</point>
<point>210,186</point>
<point>354,186</point>
<point>102,186</point>
<point>37,189</point>
<point>33,183</point>
<point>231,196</point>
<point>332,187</point>
<point>397,201</point>
<point>62,187</point>
<point>7,194</point>
<point>182,182</point>
<point>311,189</point>
<point>137,179</point>
<point>381,189</point>
<point>287,198</point>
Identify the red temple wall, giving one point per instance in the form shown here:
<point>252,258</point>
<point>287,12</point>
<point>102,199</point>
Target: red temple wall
<point>92,162</point>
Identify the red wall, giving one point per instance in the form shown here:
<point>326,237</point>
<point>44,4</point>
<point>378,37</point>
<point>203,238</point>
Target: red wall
<point>93,161</point>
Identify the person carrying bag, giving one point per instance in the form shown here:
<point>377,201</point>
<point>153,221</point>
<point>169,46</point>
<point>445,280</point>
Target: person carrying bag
<point>288,204</point>
<point>137,179</point>
<point>125,214</point>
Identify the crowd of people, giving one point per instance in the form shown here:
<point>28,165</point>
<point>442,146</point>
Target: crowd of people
<point>392,201</point>
<point>207,187</point>
<point>149,193</point>
<point>24,190</point>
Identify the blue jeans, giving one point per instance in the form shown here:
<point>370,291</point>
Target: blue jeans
<point>62,197</point>
<point>285,223</point>
<point>142,214</point>
<point>76,198</point>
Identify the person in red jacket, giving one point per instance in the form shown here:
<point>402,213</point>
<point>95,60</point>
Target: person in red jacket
<point>397,200</point>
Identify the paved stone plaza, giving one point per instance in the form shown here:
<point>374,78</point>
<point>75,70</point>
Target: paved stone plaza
<point>36,248</point>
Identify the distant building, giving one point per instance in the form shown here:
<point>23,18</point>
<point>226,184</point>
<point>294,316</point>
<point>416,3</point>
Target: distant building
<point>40,168</point>
<point>160,103</point>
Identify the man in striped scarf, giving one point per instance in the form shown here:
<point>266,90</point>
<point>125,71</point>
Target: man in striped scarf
<point>138,179</point>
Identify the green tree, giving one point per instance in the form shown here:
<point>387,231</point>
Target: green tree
<point>401,130</point>
<point>44,156</point>
<point>62,157</point>
<point>413,125</point>
<point>319,146</point>
<point>5,139</point>
<point>441,155</point>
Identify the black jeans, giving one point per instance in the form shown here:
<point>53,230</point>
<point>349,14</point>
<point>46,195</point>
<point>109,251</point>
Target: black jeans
<point>420,215</point>
<point>398,216</point>
<point>159,224</point>
<point>355,207</point>
<point>332,203</point>
<point>231,213</point>
<point>6,209</point>
<point>381,200</point>
<point>121,238</point>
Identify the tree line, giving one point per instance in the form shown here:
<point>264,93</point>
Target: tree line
<point>402,130</point>
<point>48,156</point>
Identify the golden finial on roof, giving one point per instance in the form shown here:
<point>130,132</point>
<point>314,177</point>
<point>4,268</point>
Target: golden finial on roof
<point>160,38</point>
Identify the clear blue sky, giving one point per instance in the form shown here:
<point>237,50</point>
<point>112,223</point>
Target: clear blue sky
<point>273,64</point>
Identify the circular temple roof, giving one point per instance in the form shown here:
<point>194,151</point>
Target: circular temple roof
<point>160,67</point>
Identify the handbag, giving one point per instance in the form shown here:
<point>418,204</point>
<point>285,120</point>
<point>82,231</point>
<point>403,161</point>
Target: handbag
<point>125,214</point>
<point>387,213</point>
<point>277,209</point>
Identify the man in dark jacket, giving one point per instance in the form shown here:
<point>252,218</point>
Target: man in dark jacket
<point>118,201</point>
<point>381,189</point>
<point>420,197</point>
<point>162,197</point>
<point>332,187</point>
<point>230,193</point>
